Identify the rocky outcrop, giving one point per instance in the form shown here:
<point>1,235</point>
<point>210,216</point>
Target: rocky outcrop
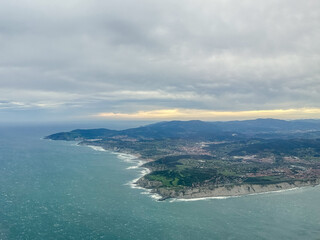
<point>143,182</point>
<point>222,191</point>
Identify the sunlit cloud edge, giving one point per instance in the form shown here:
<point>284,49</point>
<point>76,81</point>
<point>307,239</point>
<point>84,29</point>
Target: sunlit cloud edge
<point>201,114</point>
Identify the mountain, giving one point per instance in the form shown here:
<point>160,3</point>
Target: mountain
<point>83,134</point>
<point>269,125</point>
<point>196,129</point>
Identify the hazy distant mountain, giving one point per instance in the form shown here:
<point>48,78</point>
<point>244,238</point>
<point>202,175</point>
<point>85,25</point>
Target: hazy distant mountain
<point>262,128</point>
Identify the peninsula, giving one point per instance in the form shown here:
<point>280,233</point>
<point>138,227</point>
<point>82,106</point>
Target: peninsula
<point>192,159</point>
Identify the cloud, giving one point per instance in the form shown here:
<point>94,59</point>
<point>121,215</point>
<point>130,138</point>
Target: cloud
<point>130,56</point>
<point>190,114</point>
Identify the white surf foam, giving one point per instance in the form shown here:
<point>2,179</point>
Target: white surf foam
<point>245,195</point>
<point>278,191</point>
<point>199,199</point>
<point>137,164</point>
<point>132,167</point>
<point>143,172</point>
<point>126,157</point>
<point>155,196</point>
<point>97,148</point>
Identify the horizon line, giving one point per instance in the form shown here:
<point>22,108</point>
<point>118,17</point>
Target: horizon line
<point>209,115</point>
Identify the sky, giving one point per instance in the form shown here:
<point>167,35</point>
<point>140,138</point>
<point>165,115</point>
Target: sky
<point>80,60</point>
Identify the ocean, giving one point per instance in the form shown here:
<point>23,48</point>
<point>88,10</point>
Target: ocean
<point>59,190</point>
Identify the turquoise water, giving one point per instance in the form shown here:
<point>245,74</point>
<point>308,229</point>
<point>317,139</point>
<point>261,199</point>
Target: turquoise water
<point>57,190</point>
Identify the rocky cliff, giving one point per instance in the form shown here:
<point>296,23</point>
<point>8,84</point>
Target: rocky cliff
<point>222,191</point>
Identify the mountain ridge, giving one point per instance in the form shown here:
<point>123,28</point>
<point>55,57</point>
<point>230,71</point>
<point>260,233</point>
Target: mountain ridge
<point>200,129</point>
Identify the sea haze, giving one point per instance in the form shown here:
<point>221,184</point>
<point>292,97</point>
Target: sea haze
<point>58,190</point>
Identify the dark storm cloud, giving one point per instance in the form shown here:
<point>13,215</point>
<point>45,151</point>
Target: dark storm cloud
<point>99,56</point>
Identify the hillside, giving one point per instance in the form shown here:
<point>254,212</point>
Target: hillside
<point>196,158</point>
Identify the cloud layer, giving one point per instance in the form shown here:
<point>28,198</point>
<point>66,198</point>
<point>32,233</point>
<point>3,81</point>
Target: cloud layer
<point>81,58</point>
<point>189,114</point>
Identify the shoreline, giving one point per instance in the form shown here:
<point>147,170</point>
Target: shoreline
<point>201,193</point>
<point>138,162</point>
<point>224,192</point>
<point>236,196</point>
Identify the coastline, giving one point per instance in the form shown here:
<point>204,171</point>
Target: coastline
<point>199,193</point>
<point>223,192</point>
<point>236,196</point>
<point>137,164</point>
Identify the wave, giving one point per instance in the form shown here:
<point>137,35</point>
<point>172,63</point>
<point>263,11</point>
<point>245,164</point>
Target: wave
<point>245,195</point>
<point>137,164</point>
<point>199,199</point>
<point>279,191</point>
<point>97,148</point>
<point>219,198</point>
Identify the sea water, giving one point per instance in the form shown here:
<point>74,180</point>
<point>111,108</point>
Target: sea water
<point>59,190</point>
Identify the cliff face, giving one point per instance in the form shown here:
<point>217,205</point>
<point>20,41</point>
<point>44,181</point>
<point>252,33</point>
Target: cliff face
<point>222,191</point>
